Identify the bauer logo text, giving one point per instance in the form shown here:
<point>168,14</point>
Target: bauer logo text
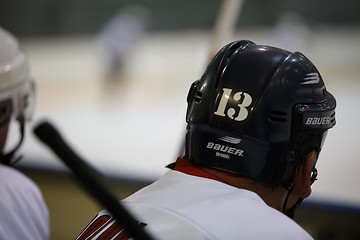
<point>318,120</point>
<point>225,149</point>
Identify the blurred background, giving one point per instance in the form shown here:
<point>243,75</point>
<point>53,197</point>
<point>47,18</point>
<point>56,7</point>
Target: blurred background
<point>113,77</point>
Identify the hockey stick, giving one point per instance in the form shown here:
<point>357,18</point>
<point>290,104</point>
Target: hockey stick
<point>88,177</point>
<point>225,24</point>
<point>223,31</point>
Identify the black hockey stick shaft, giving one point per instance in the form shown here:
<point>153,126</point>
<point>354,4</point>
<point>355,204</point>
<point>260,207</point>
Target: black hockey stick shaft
<point>87,176</point>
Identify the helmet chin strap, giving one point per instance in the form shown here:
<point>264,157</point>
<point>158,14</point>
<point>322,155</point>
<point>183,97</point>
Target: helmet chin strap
<point>8,158</point>
<point>291,211</point>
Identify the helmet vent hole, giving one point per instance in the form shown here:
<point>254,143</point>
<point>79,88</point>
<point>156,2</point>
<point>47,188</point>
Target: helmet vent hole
<point>197,97</point>
<point>277,116</point>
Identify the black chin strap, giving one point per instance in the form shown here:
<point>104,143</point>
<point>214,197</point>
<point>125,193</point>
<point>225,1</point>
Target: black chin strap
<point>290,189</point>
<point>291,211</point>
<point>8,158</point>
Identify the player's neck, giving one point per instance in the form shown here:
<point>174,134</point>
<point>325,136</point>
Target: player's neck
<point>272,196</point>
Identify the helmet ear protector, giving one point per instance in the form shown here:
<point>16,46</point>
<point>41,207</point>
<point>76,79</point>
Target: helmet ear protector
<point>310,127</point>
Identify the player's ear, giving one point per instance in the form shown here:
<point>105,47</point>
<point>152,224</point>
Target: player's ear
<point>302,178</point>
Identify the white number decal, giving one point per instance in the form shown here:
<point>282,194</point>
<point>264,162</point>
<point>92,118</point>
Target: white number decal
<point>223,101</point>
<point>242,112</point>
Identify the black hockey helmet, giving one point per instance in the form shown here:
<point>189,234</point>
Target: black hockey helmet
<point>256,111</point>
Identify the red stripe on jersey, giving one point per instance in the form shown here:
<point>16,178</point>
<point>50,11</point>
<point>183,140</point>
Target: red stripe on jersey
<point>184,165</point>
<point>95,227</point>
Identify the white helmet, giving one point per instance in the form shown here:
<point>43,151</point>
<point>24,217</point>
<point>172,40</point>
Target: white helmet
<point>16,86</point>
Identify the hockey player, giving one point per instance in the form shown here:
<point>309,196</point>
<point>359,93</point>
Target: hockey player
<point>257,120</point>
<point>23,213</point>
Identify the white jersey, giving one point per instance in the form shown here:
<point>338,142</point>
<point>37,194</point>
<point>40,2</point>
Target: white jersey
<point>23,213</point>
<point>182,206</point>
